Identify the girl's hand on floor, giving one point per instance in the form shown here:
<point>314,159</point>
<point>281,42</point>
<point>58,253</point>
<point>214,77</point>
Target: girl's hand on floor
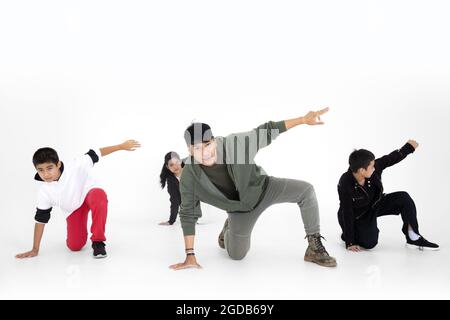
<point>354,248</point>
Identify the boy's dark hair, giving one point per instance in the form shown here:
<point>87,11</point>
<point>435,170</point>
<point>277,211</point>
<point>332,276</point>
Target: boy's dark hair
<point>45,155</point>
<point>198,133</point>
<point>360,159</point>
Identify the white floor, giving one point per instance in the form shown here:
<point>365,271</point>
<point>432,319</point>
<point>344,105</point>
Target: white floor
<point>141,251</point>
<point>383,73</point>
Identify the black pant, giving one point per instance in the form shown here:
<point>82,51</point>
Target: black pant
<point>397,203</point>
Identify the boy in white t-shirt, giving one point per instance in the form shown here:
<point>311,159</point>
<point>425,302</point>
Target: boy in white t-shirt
<point>72,188</point>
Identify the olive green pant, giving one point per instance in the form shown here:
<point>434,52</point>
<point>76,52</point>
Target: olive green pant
<point>238,231</point>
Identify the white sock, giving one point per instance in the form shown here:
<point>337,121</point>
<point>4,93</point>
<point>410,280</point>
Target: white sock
<point>412,235</point>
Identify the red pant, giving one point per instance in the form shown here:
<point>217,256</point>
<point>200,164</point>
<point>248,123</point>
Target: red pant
<point>96,202</point>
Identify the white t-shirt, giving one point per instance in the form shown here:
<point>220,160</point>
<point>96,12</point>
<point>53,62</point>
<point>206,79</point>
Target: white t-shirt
<point>69,192</point>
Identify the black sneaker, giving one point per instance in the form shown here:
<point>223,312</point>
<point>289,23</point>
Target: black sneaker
<point>99,250</point>
<point>421,244</point>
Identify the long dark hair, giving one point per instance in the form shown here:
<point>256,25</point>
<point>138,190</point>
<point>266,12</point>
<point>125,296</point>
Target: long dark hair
<point>165,172</point>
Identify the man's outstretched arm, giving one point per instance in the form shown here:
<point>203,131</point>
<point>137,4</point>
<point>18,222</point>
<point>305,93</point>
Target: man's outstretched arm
<point>312,118</point>
<point>265,134</point>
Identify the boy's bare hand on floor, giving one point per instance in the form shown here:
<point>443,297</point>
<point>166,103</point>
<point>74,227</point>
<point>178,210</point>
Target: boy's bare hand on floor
<point>29,254</point>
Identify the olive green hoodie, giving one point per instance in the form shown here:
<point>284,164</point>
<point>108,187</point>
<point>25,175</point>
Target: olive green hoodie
<point>237,151</point>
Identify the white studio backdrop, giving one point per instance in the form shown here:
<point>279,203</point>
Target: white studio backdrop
<point>76,75</point>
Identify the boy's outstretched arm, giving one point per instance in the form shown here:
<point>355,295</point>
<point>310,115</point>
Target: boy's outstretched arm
<point>129,145</point>
<point>38,232</point>
<point>396,156</point>
<point>312,118</point>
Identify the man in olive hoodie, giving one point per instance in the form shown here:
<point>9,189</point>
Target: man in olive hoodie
<point>222,173</point>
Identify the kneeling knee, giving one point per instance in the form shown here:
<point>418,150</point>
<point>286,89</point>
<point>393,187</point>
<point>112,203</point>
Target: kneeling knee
<point>78,246</point>
<point>369,245</point>
<point>238,255</point>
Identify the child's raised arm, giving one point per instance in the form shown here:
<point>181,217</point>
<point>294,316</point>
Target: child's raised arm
<point>129,145</point>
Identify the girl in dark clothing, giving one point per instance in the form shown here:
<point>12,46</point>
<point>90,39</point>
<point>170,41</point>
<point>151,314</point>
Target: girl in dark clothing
<point>170,176</point>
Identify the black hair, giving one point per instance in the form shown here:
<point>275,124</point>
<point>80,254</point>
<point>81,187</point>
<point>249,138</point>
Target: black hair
<point>45,155</point>
<point>360,159</point>
<point>165,172</point>
<point>198,133</point>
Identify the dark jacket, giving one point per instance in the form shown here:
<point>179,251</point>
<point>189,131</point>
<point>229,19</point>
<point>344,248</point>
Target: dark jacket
<point>173,188</point>
<point>354,200</point>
